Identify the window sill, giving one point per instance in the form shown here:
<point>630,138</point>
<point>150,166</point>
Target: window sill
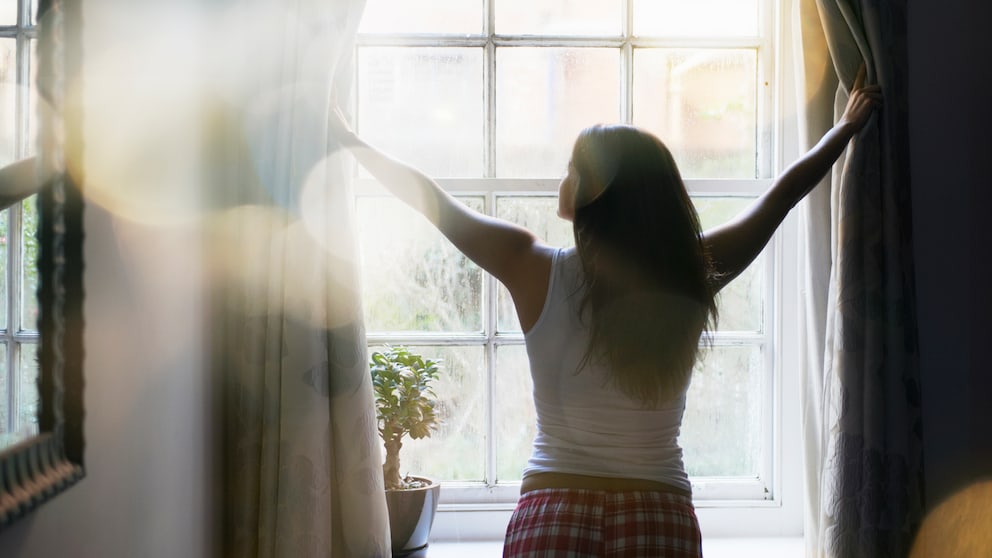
<point>791,547</point>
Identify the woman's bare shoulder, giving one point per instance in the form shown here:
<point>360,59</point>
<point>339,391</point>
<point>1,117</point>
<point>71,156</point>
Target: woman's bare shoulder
<point>530,293</point>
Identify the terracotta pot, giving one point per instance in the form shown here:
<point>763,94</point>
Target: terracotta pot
<point>411,516</point>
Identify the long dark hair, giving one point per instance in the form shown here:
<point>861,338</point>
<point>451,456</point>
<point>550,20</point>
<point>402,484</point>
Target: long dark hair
<point>648,286</point>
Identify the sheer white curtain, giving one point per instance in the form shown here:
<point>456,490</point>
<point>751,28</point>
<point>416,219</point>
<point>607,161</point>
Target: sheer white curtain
<point>816,100</point>
<point>301,460</point>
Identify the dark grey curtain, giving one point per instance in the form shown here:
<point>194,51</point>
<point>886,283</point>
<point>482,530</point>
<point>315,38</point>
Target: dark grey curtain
<point>876,501</point>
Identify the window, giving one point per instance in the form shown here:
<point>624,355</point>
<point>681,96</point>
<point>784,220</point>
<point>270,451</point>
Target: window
<point>488,97</point>
<point>18,223</point>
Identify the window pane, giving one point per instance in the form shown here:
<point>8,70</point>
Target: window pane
<point>424,106</point>
<point>721,431</point>
<point>4,292</point>
<point>422,16</point>
<point>696,18</point>
<point>413,279</point>
<point>514,412</point>
<point>27,397</point>
<point>32,115</point>
<point>5,434</point>
<point>740,302</point>
<point>457,450</point>
<point>29,267</point>
<point>539,215</point>
<point>8,12</point>
<point>702,104</point>
<point>8,100</point>
<point>558,17</point>
<point>544,98</point>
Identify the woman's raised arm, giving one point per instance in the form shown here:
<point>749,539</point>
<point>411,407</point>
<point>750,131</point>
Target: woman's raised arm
<point>509,252</point>
<point>734,245</point>
<point>18,181</point>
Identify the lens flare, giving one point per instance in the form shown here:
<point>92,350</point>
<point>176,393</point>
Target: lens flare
<point>139,157</point>
<point>280,266</point>
<point>960,527</point>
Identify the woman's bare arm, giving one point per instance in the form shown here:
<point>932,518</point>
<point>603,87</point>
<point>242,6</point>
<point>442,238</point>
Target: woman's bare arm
<point>509,252</point>
<point>18,181</point>
<point>734,245</point>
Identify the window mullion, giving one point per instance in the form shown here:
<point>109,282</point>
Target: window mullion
<point>489,98</point>
<point>772,322</point>
<point>23,13</point>
<point>768,80</point>
<point>14,225</point>
<point>21,100</point>
<point>490,399</point>
<point>13,323</point>
<point>627,65</point>
<point>490,287</point>
<point>11,424</point>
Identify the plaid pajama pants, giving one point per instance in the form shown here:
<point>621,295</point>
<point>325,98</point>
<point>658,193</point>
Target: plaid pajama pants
<point>573,523</point>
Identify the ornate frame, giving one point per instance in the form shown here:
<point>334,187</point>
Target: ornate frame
<point>43,466</point>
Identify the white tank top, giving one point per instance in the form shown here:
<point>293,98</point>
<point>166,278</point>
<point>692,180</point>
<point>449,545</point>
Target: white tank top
<point>585,425</point>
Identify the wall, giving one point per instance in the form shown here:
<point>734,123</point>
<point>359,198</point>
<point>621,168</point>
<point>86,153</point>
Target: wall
<point>951,114</point>
<point>147,459</point>
<point>147,489</point>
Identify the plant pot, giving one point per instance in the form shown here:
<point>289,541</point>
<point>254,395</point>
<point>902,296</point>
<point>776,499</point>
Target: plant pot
<point>411,516</point>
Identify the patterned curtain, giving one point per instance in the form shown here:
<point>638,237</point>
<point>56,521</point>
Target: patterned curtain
<point>301,469</point>
<point>862,404</point>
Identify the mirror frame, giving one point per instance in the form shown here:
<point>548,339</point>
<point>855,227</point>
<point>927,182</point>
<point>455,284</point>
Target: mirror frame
<point>38,468</point>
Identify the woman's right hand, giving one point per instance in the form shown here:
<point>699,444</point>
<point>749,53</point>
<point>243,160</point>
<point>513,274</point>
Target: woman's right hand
<point>861,102</point>
<point>338,126</point>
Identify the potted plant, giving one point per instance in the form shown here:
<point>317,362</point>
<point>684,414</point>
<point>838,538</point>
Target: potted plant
<point>406,405</point>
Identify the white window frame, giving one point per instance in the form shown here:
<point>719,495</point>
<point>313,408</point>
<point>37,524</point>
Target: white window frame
<point>16,336</point>
<point>767,506</point>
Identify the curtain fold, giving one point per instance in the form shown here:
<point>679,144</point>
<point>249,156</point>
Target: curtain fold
<point>862,408</point>
<point>816,92</point>
<point>301,465</point>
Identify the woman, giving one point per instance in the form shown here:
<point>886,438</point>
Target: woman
<point>18,180</point>
<point>612,327</point>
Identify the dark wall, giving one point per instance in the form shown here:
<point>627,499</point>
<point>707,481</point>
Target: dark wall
<point>950,104</point>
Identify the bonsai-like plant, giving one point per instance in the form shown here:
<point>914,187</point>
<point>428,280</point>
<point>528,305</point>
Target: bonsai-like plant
<point>405,404</point>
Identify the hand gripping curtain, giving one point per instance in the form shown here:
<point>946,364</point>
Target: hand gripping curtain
<point>861,391</point>
<point>300,467</point>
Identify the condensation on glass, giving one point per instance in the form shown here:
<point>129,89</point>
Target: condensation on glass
<point>8,12</point>
<point>408,16</point>
<point>424,106</point>
<point>413,279</point>
<point>696,18</point>
<point>703,104</point>
<point>537,214</point>
<point>741,302</point>
<point>557,17</point>
<point>544,97</point>
<point>457,451</point>
<point>722,426</point>
<point>8,100</point>
<point>514,416</point>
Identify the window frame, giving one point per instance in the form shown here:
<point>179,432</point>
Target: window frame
<point>769,505</point>
<point>14,336</point>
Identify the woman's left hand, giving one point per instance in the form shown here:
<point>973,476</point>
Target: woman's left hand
<point>861,102</point>
<point>337,124</point>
